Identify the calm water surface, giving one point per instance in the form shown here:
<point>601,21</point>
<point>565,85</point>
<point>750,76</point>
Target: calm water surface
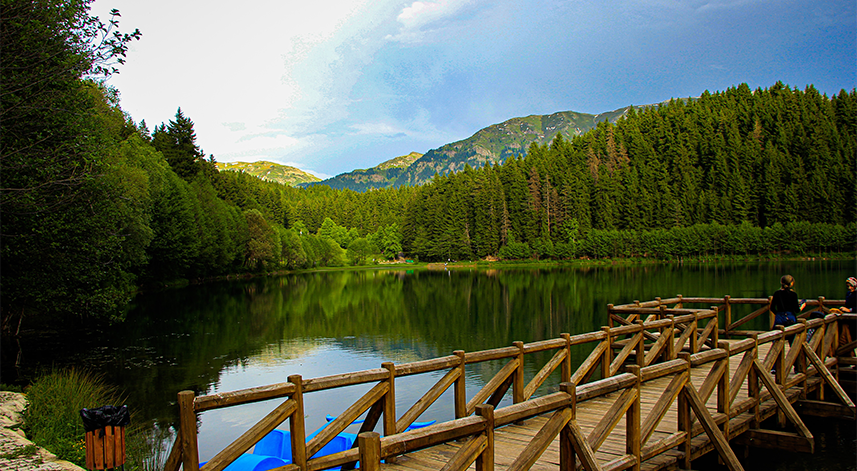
<point>232,335</point>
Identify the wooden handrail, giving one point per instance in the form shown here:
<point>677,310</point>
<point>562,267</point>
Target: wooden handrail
<point>242,396</point>
<point>426,366</point>
<point>663,334</point>
<point>345,379</point>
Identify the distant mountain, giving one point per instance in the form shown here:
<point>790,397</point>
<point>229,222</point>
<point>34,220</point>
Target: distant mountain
<point>383,175</point>
<point>499,141</point>
<point>493,144</point>
<point>270,171</point>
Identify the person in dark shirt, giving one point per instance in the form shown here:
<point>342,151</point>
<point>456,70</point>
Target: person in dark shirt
<point>784,303</point>
<point>785,306</point>
<point>849,330</point>
<point>850,295</point>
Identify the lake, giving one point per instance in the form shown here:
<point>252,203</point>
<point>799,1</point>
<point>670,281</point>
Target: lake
<point>237,334</point>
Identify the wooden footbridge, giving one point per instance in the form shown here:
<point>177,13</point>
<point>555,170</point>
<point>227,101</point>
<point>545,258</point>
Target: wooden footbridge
<point>663,384</point>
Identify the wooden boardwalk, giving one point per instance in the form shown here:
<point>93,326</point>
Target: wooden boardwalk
<point>670,391</point>
<point>511,440</point>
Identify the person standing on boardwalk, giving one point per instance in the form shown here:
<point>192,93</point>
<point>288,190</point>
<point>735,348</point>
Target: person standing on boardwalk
<point>847,333</point>
<point>850,295</point>
<point>784,303</point>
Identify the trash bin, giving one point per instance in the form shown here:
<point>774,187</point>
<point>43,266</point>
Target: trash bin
<point>105,436</point>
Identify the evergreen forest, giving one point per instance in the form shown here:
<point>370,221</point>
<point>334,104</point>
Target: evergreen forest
<point>95,205</point>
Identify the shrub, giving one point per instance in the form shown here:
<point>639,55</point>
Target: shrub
<point>52,418</point>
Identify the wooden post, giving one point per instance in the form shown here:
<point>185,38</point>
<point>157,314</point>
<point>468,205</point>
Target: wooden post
<point>715,332</point>
<point>485,461</point>
<point>187,429</point>
<point>685,424</point>
<point>694,331</point>
<point>390,401</point>
<point>778,364</point>
<point>669,351</point>
<point>610,316</point>
<point>632,421</point>
<point>459,390</point>
<point>724,406</point>
<point>823,332</point>
<point>753,386</point>
<point>800,362</point>
<point>566,448</point>
<point>369,444</point>
<point>390,405</point>
<point>728,326</point>
<point>565,373</point>
<point>518,383</point>
<point>680,303</point>
<point>641,346</point>
<point>296,423</point>
<point>821,303</point>
<point>771,314</point>
<point>607,356</point>
<point>782,373</point>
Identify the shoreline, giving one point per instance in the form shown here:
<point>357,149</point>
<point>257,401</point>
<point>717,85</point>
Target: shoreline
<point>494,263</point>
<point>16,451</point>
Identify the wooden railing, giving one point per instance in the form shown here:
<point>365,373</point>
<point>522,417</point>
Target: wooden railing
<point>628,313</point>
<point>651,341</point>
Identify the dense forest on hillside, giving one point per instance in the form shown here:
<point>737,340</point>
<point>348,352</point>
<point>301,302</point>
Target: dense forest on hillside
<point>733,172</point>
<point>94,205</point>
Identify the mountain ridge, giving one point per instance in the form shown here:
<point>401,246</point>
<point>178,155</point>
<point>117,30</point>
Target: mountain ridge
<point>497,142</point>
<point>380,176</point>
<point>270,171</point>
<point>492,144</point>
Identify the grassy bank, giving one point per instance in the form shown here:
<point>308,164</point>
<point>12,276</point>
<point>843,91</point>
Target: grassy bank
<point>52,418</point>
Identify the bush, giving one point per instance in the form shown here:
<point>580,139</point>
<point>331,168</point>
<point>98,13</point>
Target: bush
<point>52,418</point>
<point>516,251</point>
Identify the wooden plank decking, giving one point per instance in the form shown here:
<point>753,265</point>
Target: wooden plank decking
<point>510,441</point>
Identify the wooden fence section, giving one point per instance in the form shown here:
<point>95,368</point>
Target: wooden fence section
<point>681,390</point>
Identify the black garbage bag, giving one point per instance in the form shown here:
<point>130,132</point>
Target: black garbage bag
<point>100,417</point>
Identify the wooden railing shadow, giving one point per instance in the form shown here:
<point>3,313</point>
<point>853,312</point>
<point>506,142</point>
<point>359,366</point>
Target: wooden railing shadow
<point>644,342</point>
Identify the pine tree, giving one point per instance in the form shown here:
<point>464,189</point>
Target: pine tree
<point>177,141</point>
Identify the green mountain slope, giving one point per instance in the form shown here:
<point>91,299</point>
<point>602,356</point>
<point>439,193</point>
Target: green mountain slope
<point>499,141</point>
<point>492,144</point>
<point>382,175</point>
<point>270,171</point>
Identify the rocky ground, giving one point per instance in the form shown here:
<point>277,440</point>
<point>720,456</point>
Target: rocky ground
<point>16,452</point>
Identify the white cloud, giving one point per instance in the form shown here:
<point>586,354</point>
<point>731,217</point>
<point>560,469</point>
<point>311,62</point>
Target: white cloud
<point>416,17</point>
<point>377,128</point>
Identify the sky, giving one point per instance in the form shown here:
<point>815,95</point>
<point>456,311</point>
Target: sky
<point>337,85</point>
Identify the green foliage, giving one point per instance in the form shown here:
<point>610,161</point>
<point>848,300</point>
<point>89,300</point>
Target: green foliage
<point>177,141</point>
<point>68,237</point>
<point>52,417</point>
<point>264,243</point>
<point>387,240</point>
<point>516,251</point>
<point>24,451</point>
<point>687,178</point>
<point>333,231</point>
<point>359,250</point>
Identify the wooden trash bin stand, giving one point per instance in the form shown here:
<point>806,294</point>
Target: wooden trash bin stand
<point>105,436</point>
<point>105,448</point>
